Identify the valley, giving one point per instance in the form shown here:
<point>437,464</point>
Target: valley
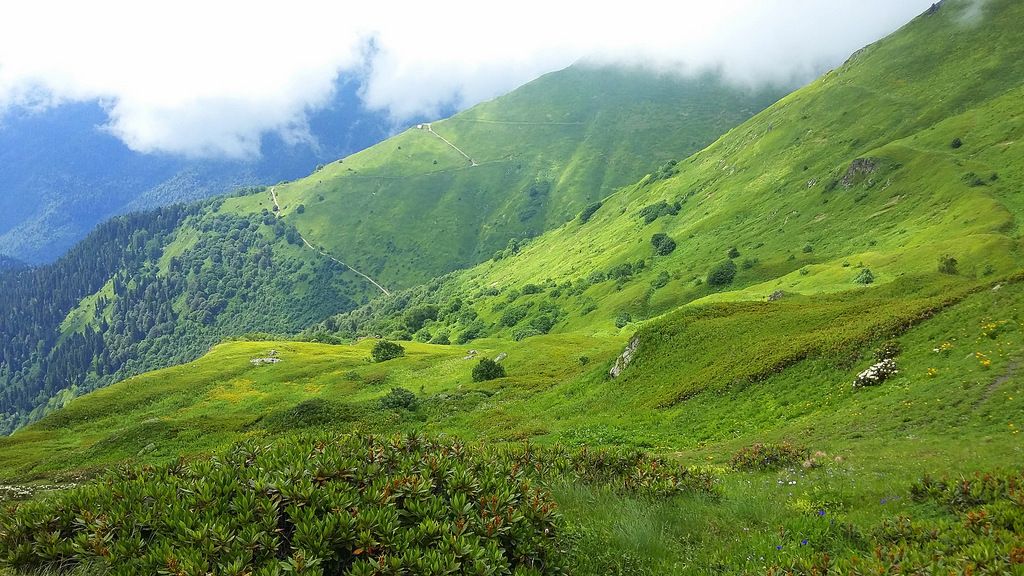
<point>613,322</point>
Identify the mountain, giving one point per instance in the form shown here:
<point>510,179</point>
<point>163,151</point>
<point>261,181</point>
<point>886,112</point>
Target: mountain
<point>61,174</point>
<point>8,263</point>
<point>886,164</point>
<point>819,310</point>
<point>448,194</point>
<point>132,298</point>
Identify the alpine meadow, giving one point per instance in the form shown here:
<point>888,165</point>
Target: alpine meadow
<point>619,320</point>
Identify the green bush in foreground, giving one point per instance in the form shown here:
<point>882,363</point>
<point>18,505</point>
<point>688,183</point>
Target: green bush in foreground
<point>328,504</point>
<point>313,505</point>
<point>386,350</point>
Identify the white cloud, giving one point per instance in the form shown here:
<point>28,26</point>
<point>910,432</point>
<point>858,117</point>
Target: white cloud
<point>209,78</point>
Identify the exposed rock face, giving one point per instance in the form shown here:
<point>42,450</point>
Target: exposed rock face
<point>777,295</point>
<point>500,357</point>
<point>625,358</point>
<point>858,168</point>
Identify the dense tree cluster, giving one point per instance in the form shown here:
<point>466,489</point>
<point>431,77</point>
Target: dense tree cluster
<point>153,289</point>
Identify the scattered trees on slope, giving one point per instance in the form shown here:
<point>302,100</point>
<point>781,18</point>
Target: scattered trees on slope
<point>722,274</point>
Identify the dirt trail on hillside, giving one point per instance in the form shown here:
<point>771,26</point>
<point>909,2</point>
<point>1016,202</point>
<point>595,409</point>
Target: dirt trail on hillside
<point>430,129</point>
<point>515,122</point>
<point>273,196</point>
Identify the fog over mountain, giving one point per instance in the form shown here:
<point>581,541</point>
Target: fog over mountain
<point>202,80</point>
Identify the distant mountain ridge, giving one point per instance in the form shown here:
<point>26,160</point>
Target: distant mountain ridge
<point>144,292</point>
<point>61,174</point>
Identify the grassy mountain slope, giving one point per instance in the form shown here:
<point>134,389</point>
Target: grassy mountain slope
<point>857,171</point>
<point>947,408</point>
<point>414,207</point>
<point>150,290</point>
<point>213,276</point>
<point>891,169</point>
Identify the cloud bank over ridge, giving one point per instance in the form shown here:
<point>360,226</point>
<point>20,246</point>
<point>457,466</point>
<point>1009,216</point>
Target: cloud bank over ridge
<point>208,79</point>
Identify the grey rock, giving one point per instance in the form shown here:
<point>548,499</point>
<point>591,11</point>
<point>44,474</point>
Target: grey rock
<point>625,358</point>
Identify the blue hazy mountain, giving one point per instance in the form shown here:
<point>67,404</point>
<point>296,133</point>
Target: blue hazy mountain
<point>61,173</point>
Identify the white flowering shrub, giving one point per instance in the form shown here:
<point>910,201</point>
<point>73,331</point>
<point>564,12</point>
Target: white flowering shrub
<point>876,373</point>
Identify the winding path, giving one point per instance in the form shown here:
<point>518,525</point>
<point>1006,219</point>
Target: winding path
<point>273,196</point>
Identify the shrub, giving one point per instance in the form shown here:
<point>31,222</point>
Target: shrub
<point>865,277</point>
<point>888,350</point>
<point>301,208</point>
<point>663,244</point>
<point>652,212</point>
<point>973,180</point>
<point>972,526</point>
<point>621,271</point>
<point>722,274</point>
<point>471,332</point>
<point>543,323</point>
<point>315,412</point>
<point>956,143</point>
<point>588,212</point>
<point>441,338</point>
<point>532,289</point>
<point>622,319</point>
<point>876,373</point>
<point>316,504</point>
<point>416,317</point>
<point>487,369</point>
<point>808,248</point>
<point>386,350</point>
<point>733,253</point>
<point>513,315</point>
<point>947,264</point>
<point>661,281</point>
<point>400,334</point>
<point>399,399</point>
<point>768,456</point>
<point>524,333</point>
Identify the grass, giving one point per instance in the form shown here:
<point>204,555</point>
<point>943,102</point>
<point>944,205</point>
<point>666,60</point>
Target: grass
<point>544,152</point>
<point>715,370</point>
<point>956,421</point>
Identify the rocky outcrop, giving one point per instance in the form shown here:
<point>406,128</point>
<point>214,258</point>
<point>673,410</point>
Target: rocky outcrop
<point>858,169</point>
<point>625,358</point>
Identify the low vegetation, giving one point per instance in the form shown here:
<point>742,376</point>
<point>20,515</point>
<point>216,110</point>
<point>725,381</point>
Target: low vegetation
<point>314,505</point>
<point>385,350</point>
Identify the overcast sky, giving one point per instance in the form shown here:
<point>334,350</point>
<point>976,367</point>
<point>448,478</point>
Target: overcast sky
<point>207,78</point>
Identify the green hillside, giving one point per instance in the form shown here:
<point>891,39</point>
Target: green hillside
<point>821,313</point>
<point>396,214</point>
<point>416,206</point>
<point>954,406</point>
<point>857,171</point>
